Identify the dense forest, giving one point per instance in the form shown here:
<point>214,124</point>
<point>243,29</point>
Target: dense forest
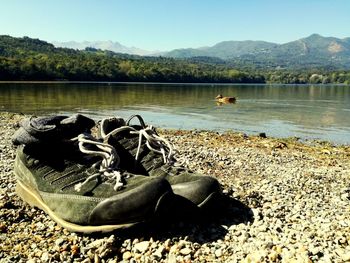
<point>33,59</point>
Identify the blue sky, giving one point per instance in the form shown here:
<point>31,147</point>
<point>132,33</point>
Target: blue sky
<point>165,24</point>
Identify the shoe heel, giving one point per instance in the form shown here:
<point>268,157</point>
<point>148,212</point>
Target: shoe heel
<point>27,195</point>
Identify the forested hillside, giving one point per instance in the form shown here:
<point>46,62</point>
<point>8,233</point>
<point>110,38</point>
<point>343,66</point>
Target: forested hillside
<point>33,59</point>
<point>314,51</point>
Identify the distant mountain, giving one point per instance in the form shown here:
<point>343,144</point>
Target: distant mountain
<point>312,51</point>
<point>223,50</point>
<point>309,52</point>
<point>104,45</point>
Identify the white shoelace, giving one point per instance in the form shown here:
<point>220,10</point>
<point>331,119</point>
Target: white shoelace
<point>108,165</point>
<point>154,142</point>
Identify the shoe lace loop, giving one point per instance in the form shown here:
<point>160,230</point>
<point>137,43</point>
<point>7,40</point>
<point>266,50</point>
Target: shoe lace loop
<point>154,142</point>
<point>107,166</point>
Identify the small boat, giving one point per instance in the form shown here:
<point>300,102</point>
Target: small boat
<point>219,98</point>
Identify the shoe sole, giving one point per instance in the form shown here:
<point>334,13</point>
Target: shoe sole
<point>33,198</point>
<point>211,199</point>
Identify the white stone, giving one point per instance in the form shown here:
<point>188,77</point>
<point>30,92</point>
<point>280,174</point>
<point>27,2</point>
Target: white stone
<point>141,247</point>
<point>218,253</point>
<point>185,251</point>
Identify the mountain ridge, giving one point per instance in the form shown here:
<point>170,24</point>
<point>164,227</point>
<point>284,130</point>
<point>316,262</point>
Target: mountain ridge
<point>314,51</point>
<point>228,49</point>
<point>224,49</point>
<point>103,45</point>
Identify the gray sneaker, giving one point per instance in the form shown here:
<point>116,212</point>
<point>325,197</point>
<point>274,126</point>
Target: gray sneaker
<point>77,181</point>
<point>143,151</point>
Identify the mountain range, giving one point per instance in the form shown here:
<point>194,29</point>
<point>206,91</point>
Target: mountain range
<point>232,49</point>
<point>312,51</point>
<point>311,60</point>
<point>104,45</point>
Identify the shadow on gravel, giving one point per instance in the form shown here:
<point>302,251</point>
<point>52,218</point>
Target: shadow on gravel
<point>183,220</point>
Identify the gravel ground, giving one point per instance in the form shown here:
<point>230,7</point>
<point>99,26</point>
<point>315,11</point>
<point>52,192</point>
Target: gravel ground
<point>285,201</point>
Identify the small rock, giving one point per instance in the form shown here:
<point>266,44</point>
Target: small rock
<point>87,260</point>
<point>171,258</point>
<point>45,257</point>
<point>326,151</point>
<point>173,249</point>
<point>96,244</point>
<point>346,256</point>
<point>167,244</point>
<point>273,256</point>
<point>262,135</point>
<point>2,227</point>
<point>141,247</point>
<point>218,253</point>
<point>127,255</point>
<point>96,259</point>
<point>185,251</point>
<point>40,226</point>
<point>181,244</point>
<point>74,250</point>
<point>59,241</point>
<point>158,254</point>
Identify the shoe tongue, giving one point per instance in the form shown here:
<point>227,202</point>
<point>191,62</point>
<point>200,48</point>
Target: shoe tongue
<point>111,124</point>
<point>52,128</point>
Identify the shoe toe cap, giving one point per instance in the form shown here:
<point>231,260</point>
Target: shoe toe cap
<point>132,206</point>
<point>197,188</point>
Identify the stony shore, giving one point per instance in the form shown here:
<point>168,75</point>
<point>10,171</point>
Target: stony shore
<point>285,201</point>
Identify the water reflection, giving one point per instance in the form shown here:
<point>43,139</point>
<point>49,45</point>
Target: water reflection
<point>304,111</point>
<point>221,103</point>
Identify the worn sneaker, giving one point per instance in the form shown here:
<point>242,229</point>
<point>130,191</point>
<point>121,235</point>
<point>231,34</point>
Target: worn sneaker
<point>143,151</point>
<point>77,181</point>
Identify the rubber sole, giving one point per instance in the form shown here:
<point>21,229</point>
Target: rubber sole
<point>210,200</point>
<point>33,198</point>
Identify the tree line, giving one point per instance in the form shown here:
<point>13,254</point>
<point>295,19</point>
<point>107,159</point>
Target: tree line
<point>33,59</point>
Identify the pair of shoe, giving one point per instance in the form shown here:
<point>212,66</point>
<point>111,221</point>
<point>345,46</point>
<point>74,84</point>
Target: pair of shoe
<point>88,184</point>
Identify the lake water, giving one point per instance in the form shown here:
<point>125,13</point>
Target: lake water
<point>305,111</point>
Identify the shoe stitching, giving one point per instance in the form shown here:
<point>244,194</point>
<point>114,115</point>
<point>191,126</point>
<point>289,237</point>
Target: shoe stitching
<point>71,197</point>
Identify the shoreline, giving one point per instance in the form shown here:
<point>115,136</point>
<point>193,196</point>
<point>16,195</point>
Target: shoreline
<point>166,83</point>
<point>294,206</point>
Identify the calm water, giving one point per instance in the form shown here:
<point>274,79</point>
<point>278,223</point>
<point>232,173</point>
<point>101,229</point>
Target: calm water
<point>308,112</point>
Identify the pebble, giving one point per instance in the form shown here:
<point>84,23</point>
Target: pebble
<point>218,253</point>
<point>59,241</point>
<point>141,247</point>
<point>45,257</point>
<point>185,251</point>
<point>287,202</point>
<point>158,254</point>
<point>127,255</point>
<point>346,257</point>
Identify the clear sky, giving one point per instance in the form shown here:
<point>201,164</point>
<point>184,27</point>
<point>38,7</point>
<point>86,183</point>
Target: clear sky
<point>170,24</point>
